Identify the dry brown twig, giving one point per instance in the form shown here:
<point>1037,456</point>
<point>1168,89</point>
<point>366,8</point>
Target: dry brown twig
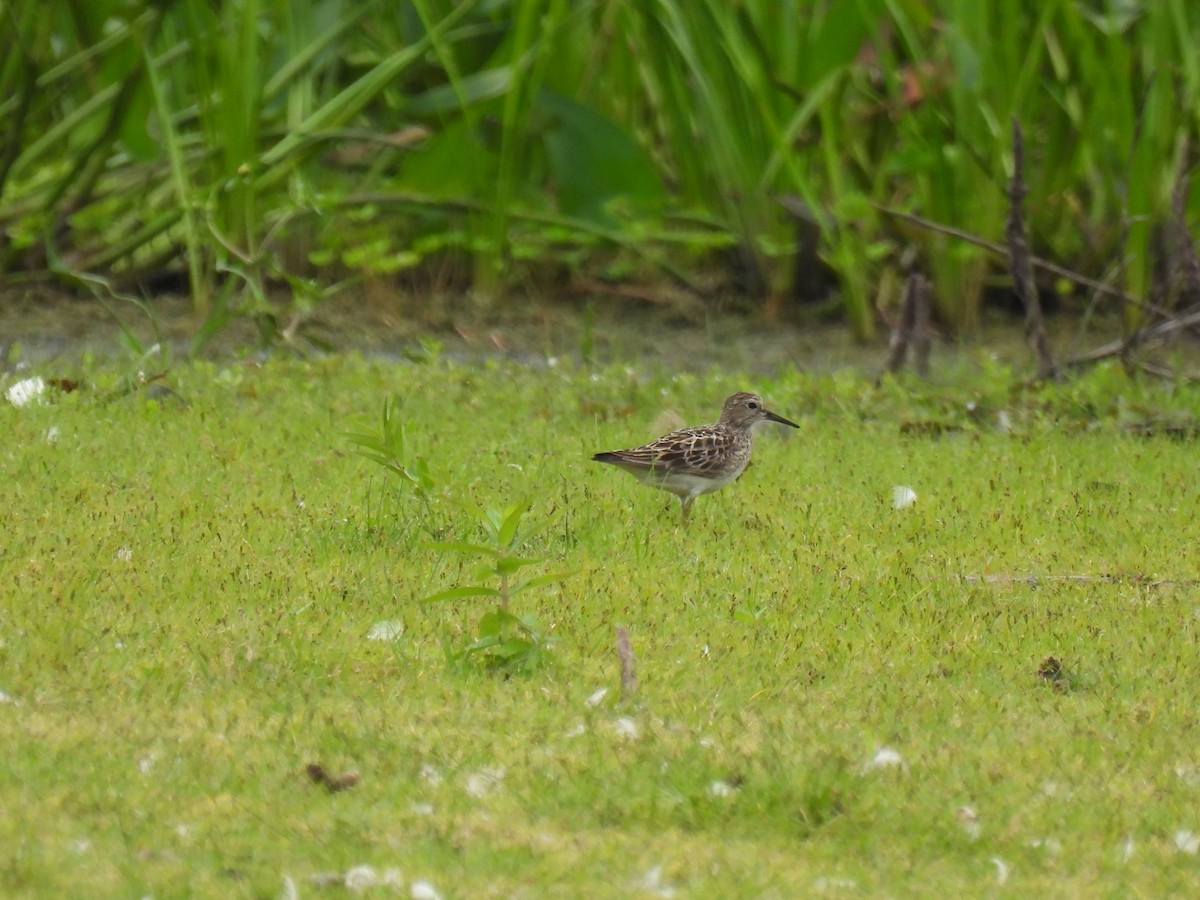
<point>1153,334</point>
<point>1020,260</point>
<point>1044,265</point>
<point>912,326</point>
<point>1185,264</point>
<point>1184,270</point>
<point>921,329</point>
<point>318,774</point>
<point>625,658</point>
<point>1169,322</point>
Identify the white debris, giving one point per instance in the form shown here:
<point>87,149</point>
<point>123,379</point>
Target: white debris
<point>596,697</point>
<point>290,891</point>
<point>124,554</point>
<point>720,788</point>
<point>1001,870</point>
<point>52,434</point>
<point>885,758</point>
<point>969,820</point>
<point>423,890</point>
<point>1187,842</point>
<point>652,883</point>
<point>386,630</point>
<point>1127,849</point>
<point>26,391</point>
<point>1188,774</point>
<point>903,496</point>
<point>485,781</point>
<point>430,775</point>
<point>577,730</point>
<point>1051,845</point>
<point>361,878</point>
<point>824,884</point>
<point>627,728</point>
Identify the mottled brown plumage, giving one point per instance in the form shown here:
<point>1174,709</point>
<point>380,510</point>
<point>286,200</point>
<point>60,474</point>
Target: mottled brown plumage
<point>695,461</point>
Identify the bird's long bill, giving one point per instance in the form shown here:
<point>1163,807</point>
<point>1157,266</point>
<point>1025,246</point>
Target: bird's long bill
<point>775,417</point>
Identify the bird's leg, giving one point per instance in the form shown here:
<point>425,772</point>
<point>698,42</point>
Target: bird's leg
<point>686,503</point>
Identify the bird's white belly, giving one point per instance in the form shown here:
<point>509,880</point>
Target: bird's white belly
<point>682,484</point>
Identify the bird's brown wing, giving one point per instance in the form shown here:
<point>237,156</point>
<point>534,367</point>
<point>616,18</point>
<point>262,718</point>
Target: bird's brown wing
<point>692,450</point>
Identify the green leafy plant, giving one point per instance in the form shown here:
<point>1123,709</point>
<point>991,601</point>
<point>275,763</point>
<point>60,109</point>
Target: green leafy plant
<point>503,640</point>
<point>506,641</point>
<point>389,447</point>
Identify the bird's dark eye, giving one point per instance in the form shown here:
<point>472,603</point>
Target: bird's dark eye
<point>752,405</point>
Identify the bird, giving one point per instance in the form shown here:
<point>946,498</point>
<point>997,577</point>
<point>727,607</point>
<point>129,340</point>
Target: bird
<point>700,460</point>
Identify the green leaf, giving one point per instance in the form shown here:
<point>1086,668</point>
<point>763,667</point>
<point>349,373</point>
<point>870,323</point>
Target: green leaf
<point>539,581</point>
<point>481,644</point>
<point>134,133</point>
<point>421,475</point>
<point>512,647</point>
<point>532,625</point>
<point>375,457</point>
<point>503,617</point>
<point>506,533</point>
<point>486,84</point>
<point>454,162</point>
<point>370,441</point>
<point>595,162</point>
<point>490,624</point>
<point>506,565</point>
<point>492,521</point>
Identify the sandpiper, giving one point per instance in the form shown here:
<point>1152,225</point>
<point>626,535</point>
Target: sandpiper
<point>700,460</point>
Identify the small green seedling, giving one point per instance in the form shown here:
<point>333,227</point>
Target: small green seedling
<point>503,639</point>
<point>389,448</point>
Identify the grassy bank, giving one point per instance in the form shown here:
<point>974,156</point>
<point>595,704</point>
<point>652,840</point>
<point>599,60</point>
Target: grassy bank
<point>195,581</point>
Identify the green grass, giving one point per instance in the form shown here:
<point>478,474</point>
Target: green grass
<point>189,590</point>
